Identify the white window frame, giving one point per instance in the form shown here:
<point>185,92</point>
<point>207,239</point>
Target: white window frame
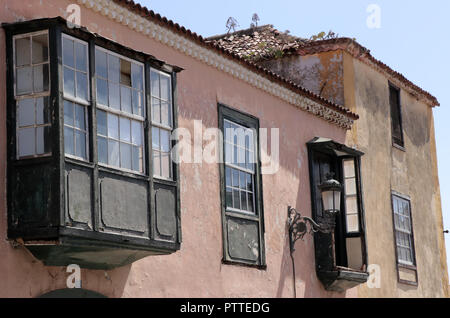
<point>161,126</point>
<point>233,166</point>
<point>75,100</point>
<point>31,95</point>
<point>403,231</point>
<point>120,113</point>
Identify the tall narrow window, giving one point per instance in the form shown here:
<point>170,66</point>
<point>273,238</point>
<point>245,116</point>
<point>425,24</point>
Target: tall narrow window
<point>120,111</point>
<point>162,123</point>
<point>76,96</point>
<point>239,167</point>
<point>403,231</point>
<point>32,90</point>
<point>242,208</point>
<point>396,116</point>
<point>351,196</point>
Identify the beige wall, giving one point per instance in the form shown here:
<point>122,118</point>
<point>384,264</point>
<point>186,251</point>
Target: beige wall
<point>196,270</point>
<point>411,172</point>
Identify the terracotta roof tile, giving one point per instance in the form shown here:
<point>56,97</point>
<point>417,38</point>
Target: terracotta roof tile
<point>156,18</point>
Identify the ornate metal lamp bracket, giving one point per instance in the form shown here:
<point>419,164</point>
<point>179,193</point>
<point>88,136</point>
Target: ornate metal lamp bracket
<point>298,227</point>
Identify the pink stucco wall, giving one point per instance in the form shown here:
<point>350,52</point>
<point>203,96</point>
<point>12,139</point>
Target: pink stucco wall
<point>196,270</point>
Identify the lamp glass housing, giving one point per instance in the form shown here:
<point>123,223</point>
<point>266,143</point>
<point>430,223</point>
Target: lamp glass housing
<point>331,200</point>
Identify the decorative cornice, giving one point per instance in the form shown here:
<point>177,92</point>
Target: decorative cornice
<point>140,24</point>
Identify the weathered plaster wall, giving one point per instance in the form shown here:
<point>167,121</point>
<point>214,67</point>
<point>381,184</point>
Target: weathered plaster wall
<point>320,73</point>
<point>196,270</point>
<point>411,172</point>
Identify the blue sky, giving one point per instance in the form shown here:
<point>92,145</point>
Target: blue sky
<point>413,40</point>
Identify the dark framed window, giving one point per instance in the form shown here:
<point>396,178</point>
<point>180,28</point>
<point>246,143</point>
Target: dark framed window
<point>404,239</point>
<point>80,118</point>
<point>242,208</point>
<point>347,250</point>
<point>396,116</point>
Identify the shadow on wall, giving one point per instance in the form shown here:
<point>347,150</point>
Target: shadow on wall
<point>28,277</point>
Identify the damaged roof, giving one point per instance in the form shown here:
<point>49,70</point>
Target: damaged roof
<point>265,42</point>
<point>175,27</point>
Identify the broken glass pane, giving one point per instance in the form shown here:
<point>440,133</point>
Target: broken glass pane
<point>40,78</point>
<point>42,140</point>
<point>40,48</point>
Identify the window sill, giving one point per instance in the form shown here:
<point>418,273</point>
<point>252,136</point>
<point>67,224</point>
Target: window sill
<point>399,147</point>
<point>255,266</point>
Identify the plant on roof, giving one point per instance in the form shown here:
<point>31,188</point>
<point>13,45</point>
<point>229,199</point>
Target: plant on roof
<point>231,24</point>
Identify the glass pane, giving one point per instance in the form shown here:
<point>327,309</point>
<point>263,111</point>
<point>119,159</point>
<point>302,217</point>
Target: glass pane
<point>102,92</point>
<point>236,199</point>
<point>227,176</point>
<point>125,98</point>
<point>68,113</point>
<point>82,86</point>
<point>249,159</point>
<point>156,112</point>
<point>40,48</point>
<point>113,126</point>
<point>101,123</point>
<point>156,163</point>
<point>249,182</point>
<point>242,180</point>
<point>165,140</point>
<point>81,56</point>
<point>26,112</point>
<point>68,141</point>
<point>250,202</point>
<point>113,153</point>
<point>114,95</point>
<point>23,52</point>
<point>244,201</point>
<point>241,157</point>
<point>235,174</point>
<point>80,118</point>
<point>136,133</point>
<point>24,82</point>
<point>165,165</point>
<point>155,138</point>
<point>113,68</point>
<point>125,129</point>
<point>154,79</point>
<point>102,144</point>
<point>351,205</point>
<point>165,114</point>
<point>228,153</point>
<point>137,159</point>
<point>69,82</point>
<point>42,111</point>
<point>43,140</point>
<point>137,77</point>
<point>101,68</point>
<point>352,223</point>
<point>40,78</point>
<point>137,102</point>
<point>80,144</point>
<point>125,72</point>
<point>229,197</point>
<point>26,142</point>
<point>349,168</point>
<point>165,87</point>
<point>125,156</point>
<point>350,186</point>
<point>68,57</point>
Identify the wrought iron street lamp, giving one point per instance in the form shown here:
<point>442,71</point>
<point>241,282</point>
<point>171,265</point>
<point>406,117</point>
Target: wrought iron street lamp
<point>331,202</point>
